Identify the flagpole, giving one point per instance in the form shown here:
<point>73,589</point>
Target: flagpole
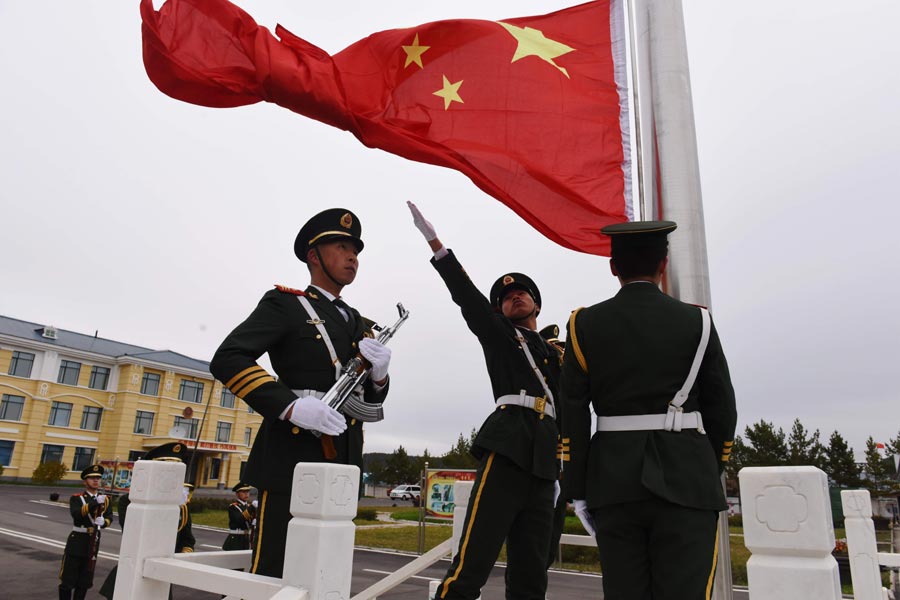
<point>671,177</point>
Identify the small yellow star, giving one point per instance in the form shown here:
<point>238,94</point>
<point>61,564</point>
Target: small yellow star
<point>450,92</point>
<point>414,53</point>
<point>533,43</point>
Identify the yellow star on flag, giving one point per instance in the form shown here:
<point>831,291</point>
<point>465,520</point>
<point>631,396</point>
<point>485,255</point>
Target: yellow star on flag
<point>450,92</point>
<point>414,53</point>
<point>533,43</point>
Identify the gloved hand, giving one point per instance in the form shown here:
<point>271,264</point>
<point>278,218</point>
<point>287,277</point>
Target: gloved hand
<point>253,523</point>
<point>421,223</point>
<point>100,498</point>
<point>185,495</point>
<point>555,492</point>
<point>378,354</point>
<point>581,511</point>
<point>99,521</point>
<point>311,413</point>
<point>255,503</point>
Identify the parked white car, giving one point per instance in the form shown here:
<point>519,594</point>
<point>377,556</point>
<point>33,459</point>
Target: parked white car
<point>405,492</point>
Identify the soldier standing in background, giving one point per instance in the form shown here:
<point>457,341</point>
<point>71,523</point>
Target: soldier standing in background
<point>241,514</point>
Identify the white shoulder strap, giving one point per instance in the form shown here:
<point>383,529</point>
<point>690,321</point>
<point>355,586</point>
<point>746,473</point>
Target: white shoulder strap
<point>319,324</point>
<point>682,395</point>
<point>534,367</point>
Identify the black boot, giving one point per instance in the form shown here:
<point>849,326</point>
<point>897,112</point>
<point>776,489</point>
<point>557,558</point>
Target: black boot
<point>65,593</point>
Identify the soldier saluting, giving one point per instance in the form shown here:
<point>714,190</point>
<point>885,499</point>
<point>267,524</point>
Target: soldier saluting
<point>91,511</point>
<point>308,335</point>
<point>517,480</point>
<point>654,371</point>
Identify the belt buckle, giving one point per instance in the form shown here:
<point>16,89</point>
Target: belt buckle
<point>539,405</point>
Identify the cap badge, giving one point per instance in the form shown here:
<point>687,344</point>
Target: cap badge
<point>176,448</point>
<point>347,221</point>
<point>508,280</point>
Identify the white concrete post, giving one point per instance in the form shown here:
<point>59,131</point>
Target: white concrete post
<point>789,531</point>
<point>318,555</point>
<point>861,545</point>
<point>462,490</point>
<point>151,527</point>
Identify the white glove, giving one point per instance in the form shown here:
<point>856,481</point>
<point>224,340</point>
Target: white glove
<point>100,498</point>
<point>378,354</point>
<point>255,503</point>
<point>311,413</point>
<point>185,495</point>
<point>555,492</point>
<point>253,523</point>
<point>99,521</point>
<point>581,511</point>
<point>421,223</point>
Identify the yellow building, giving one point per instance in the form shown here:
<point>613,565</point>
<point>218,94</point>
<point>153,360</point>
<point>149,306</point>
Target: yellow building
<point>80,399</point>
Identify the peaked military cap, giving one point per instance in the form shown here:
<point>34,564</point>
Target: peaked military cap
<point>327,226</point>
<point>92,471</point>
<point>513,281</point>
<point>639,234</point>
<point>174,451</point>
<point>241,487</point>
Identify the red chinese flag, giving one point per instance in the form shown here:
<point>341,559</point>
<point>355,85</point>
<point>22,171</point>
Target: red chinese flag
<point>527,108</point>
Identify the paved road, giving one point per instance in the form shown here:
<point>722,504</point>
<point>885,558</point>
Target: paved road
<point>33,532</point>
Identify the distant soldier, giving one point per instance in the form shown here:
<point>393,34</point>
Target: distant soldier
<point>91,512</point>
<point>241,515</point>
<point>648,481</point>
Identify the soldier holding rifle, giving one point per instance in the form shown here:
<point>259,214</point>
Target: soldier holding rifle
<point>241,515</point>
<point>516,485</point>
<point>91,512</point>
<point>309,334</point>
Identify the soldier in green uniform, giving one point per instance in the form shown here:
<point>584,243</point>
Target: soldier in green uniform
<point>91,511</point>
<point>516,483</point>
<point>308,336</point>
<point>655,374</point>
<point>551,334</point>
<point>241,514</point>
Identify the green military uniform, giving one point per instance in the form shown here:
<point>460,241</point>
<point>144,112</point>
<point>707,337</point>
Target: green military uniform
<point>76,573</point>
<point>653,493</point>
<point>240,517</point>
<point>551,334</point>
<point>281,327</point>
<point>512,497</point>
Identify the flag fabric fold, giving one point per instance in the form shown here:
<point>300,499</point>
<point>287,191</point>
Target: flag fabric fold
<point>528,108</point>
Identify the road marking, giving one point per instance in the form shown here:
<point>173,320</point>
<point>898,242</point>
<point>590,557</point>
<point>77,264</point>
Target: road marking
<point>49,542</point>
<point>49,503</point>
<point>36,515</point>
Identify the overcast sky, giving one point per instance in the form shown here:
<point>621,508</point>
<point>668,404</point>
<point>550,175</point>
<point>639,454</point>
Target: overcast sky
<point>161,223</point>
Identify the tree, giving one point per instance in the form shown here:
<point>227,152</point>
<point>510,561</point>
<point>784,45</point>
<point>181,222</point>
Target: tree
<point>877,470</point>
<point>765,447</point>
<point>49,473</point>
<point>805,449</point>
<point>400,468</point>
<point>840,464</point>
<point>459,456</point>
<point>893,445</point>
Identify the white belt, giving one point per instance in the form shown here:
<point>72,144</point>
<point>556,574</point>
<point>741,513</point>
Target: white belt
<point>239,531</point>
<point>83,529</point>
<point>315,393</point>
<point>674,420</point>
<point>538,405</point>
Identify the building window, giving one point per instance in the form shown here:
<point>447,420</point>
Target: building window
<point>150,384</point>
<point>189,425</point>
<point>215,467</point>
<point>248,435</point>
<point>135,455</point>
<point>60,414</point>
<point>191,391</point>
<point>51,453</point>
<point>68,372</point>
<point>227,398</point>
<point>99,378</point>
<point>84,457</point>
<point>90,418</point>
<point>143,422</point>
<point>6,451</point>
<point>223,431</point>
<point>21,363</point>
<point>249,409</point>
<point>11,407</point>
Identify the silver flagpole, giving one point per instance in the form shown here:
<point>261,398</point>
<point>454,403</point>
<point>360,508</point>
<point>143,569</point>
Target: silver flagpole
<point>671,175</point>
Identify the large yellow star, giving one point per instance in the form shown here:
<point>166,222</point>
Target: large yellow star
<point>414,53</point>
<point>533,43</point>
<point>450,92</point>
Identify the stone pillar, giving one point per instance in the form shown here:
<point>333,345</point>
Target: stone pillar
<point>318,555</point>
<point>462,490</point>
<point>789,531</point>
<point>150,529</point>
<point>861,545</point>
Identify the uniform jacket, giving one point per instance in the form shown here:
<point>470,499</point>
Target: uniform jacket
<point>521,434</point>
<point>84,508</point>
<point>629,356</point>
<point>280,326</point>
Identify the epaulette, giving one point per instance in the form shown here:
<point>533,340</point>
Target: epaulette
<point>288,290</point>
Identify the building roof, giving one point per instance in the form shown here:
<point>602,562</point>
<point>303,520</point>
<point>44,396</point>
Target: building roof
<point>97,345</point>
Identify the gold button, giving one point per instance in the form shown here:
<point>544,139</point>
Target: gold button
<point>502,407</point>
<point>545,362</point>
<point>353,421</point>
<point>353,344</point>
<point>542,417</point>
<point>295,430</point>
<point>318,336</point>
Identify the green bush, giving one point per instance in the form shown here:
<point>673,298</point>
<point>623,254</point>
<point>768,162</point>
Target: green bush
<point>736,520</point>
<point>49,473</point>
<point>201,503</point>
<point>367,514</point>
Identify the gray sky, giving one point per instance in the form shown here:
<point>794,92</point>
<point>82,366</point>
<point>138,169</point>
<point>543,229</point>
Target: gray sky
<point>160,223</point>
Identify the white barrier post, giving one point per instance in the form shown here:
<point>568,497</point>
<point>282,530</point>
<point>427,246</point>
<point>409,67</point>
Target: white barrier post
<point>789,531</point>
<point>152,526</point>
<point>318,555</point>
<point>462,490</point>
<point>861,545</point>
